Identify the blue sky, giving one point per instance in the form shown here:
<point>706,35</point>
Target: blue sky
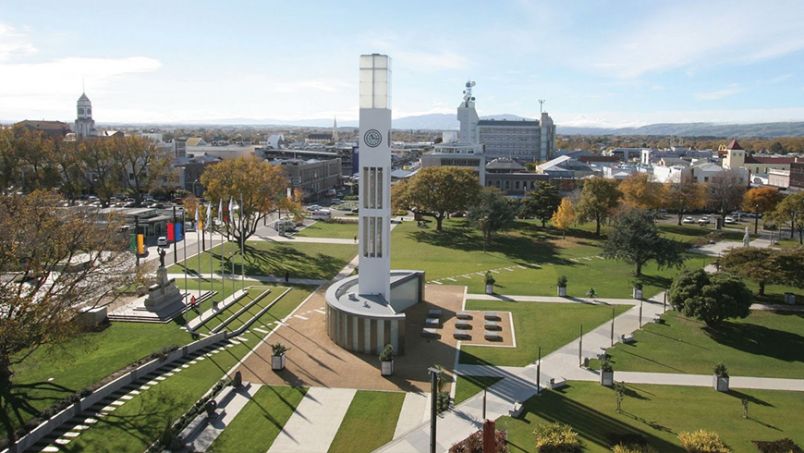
<point>609,63</point>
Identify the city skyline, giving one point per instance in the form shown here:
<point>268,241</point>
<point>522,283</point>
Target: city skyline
<point>600,64</point>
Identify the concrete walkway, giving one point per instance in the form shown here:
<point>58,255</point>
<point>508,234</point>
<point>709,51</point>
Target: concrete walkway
<point>312,427</point>
<point>415,411</point>
<point>553,299</point>
<point>305,239</point>
<point>230,404</point>
<point>217,308</point>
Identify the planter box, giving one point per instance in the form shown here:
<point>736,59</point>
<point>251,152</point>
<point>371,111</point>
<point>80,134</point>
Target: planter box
<point>720,383</point>
<point>489,289</point>
<point>278,362</point>
<point>607,378</point>
<point>562,291</point>
<point>387,368</point>
<point>790,298</point>
<point>637,293</point>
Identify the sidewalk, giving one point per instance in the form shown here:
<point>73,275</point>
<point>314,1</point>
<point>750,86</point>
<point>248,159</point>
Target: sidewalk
<point>553,299</point>
<point>314,423</point>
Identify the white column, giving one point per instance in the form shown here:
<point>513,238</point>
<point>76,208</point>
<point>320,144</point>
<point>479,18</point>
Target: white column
<point>375,175</point>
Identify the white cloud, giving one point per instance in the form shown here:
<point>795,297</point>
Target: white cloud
<point>716,95</point>
<point>14,43</point>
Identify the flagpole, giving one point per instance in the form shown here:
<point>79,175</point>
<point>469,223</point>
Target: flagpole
<point>209,225</point>
<point>184,239</point>
<point>242,247</point>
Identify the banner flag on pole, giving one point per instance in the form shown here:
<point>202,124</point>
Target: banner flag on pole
<point>209,215</point>
<point>179,230</point>
<point>140,244</point>
<point>196,217</point>
<point>171,233</point>
<point>133,243</point>
<point>220,210</point>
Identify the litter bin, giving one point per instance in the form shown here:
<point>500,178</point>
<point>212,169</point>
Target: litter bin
<point>790,298</point>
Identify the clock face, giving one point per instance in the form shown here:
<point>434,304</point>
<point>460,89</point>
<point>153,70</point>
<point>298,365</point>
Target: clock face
<point>373,138</point>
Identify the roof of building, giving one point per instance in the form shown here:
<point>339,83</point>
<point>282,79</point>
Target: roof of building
<point>44,125</point>
<point>195,141</point>
<point>505,163</point>
<point>734,145</point>
<point>83,97</point>
<point>598,158</point>
<point>508,123</point>
<point>769,160</point>
<point>319,136</point>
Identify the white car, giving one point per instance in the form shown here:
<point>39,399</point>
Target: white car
<point>688,219</point>
<point>313,207</point>
<point>161,241</point>
<point>729,220</point>
<point>703,220</point>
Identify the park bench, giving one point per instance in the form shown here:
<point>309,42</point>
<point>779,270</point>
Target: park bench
<point>429,332</point>
<point>492,325</point>
<point>492,316</point>
<point>462,336</point>
<point>434,313</point>
<point>557,383</point>
<point>491,335</point>
<point>627,339</point>
<point>464,315</point>
<point>516,411</point>
<point>463,325</point>
<point>432,322</point>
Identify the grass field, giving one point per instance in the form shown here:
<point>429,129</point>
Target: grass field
<point>302,260</point>
<point>255,428</point>
<point>658,414</point>
<point>468,386</point>
<point>369,423</point>
<point>330,230</point>
<point>543,254</point>
<point>536,324</point>
<point>138,422</point>
<point>763,344</point>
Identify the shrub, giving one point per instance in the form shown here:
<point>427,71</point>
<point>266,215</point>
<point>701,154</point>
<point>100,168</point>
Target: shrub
<point>474,443</point>
<point>387,353</point>
<point>606,366</point>
<point>278,349</point>
<point>556,438</point>
<point>632,448</point>
<point>702,442</point>
<point>720,370</point>
<point>489,278</point>
<point>777,446</point>
<point>562,281</point>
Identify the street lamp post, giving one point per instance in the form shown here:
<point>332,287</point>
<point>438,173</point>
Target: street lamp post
<point>195,194</point>
<point>756,218</point>
<point>433,406</point>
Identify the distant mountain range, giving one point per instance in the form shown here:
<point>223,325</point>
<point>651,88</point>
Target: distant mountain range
<point>447,121</point>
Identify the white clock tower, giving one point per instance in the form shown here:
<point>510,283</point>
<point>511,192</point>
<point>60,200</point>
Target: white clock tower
<point>84,124</point>
<point>375,176</point>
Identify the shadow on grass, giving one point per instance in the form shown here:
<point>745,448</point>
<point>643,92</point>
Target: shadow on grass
<point>759,340</point>
<point>592,424</point>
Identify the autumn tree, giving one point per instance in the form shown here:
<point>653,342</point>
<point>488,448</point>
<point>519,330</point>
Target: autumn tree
<point>765,266</point>
<point>791,209</point>
<point>491,213</point>
<point>761,200</point>
<point>399,196</point>
<point>542,201</point>
<point>8,161</point>
<point>639,192</point>
<point>144,166</point>
<point>599,197</point>
<point>104,172</point>
<point>726,191</point>
<point>53,262</point>
<point>258,184</point>
<point>437,191</point>
<point>564,216</point>
<point>35,159</point>
<point>635,239</point>
<point>684,196</point>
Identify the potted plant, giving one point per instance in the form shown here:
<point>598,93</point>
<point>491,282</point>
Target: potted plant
<point>561,285</point>
<point>489,283</point>
<point>720,381</point>
<point>606,374</point>
<point>387,360</point>
<point>637,293</point>
<point>278,356</point>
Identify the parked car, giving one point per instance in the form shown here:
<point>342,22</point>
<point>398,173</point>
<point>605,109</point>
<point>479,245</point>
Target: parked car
<point>688,219</point>
<point>729,220</point>
<point>313,207</point>
<point>321,214</point>
<point>703,220</point>
<point>161,241</point>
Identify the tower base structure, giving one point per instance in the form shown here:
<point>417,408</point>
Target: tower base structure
<point>366,323</point>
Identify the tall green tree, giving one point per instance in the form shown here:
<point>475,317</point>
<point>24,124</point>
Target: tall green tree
<point>145,167</point>
<point>636,240</point>
<point>765,266</point>
<point>791,209</point>
<point>491,213</point>
<point>437,191</point>
<point>709,298</point>
<point>726,191</point>
<point>599,197</point>
<point>542,201</point>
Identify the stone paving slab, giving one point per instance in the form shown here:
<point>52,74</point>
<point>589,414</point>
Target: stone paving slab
<point>313,425</point>
<point>415,410</point>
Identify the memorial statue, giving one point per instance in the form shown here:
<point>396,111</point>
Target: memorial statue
<point>161,257</point>
<point>746,238</point>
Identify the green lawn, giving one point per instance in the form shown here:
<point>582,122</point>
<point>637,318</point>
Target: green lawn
<point>537,324</point>
<point>467,386</point>
<point>658,414</point>
<point>543,254</point>
<point>137,423</point>
<point>256,426</point>
<point>322,229</point>
<point>763,344</point>
<point>369,423</point>
<point>302,260</point>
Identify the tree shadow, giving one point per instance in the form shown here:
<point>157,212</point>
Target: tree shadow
<point>592,424</point>
<point>759,340</point>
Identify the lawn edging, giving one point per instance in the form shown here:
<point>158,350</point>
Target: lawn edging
<point>35,435</point>
<point>242,310</point>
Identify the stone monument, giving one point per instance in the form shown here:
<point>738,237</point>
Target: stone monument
<point>746,238</point>
<point>163,295</point>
